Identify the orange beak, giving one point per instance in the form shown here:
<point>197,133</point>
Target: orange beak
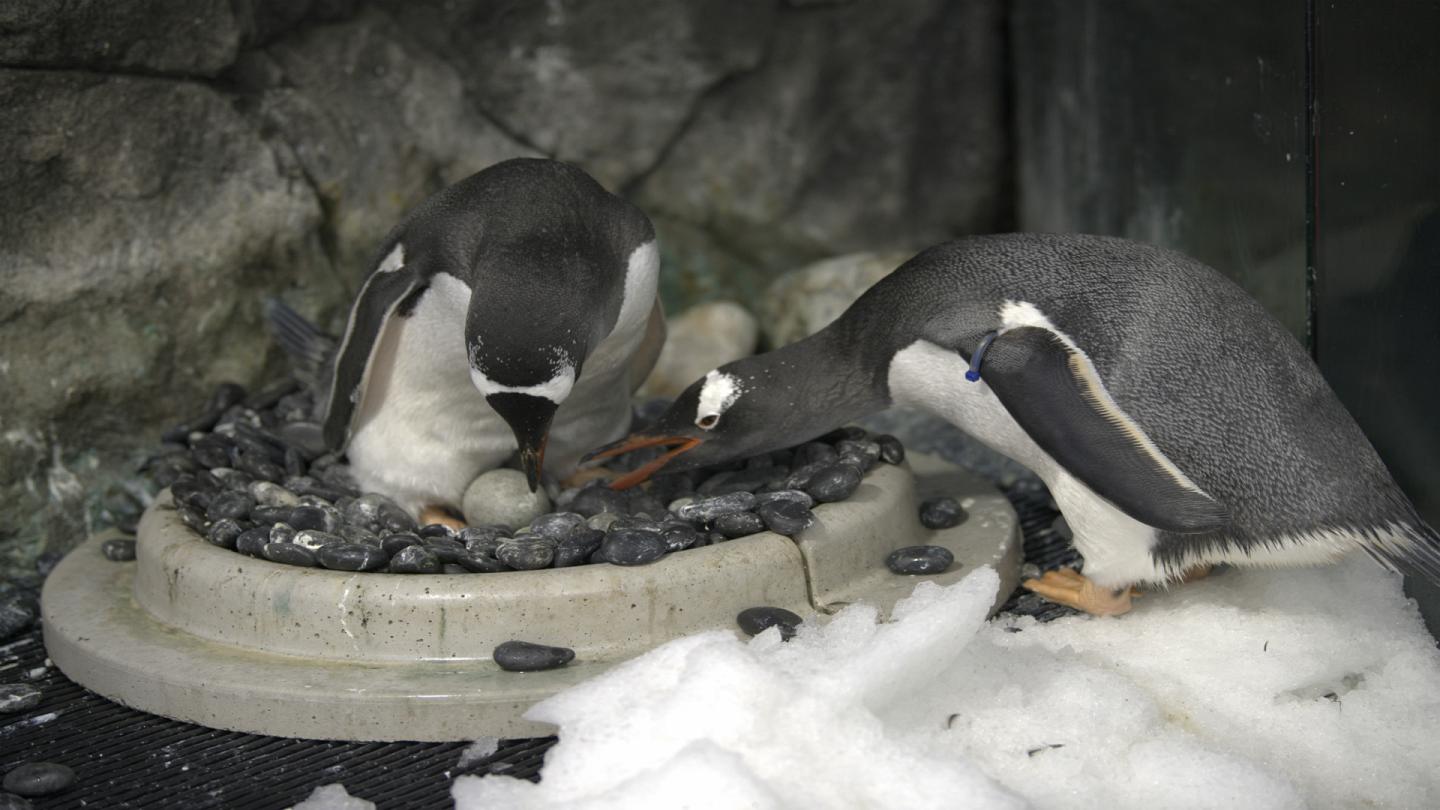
<point>681,444</point>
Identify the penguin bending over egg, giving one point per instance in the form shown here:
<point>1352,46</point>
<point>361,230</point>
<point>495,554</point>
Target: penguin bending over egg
<point>514,309</point>
<point>1176,424</point>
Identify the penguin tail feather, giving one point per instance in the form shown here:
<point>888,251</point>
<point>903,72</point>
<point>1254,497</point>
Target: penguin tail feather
<point>310,351</point>
<point>1414,547</point>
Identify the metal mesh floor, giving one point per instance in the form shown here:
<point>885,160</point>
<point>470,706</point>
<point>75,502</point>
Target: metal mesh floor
<point>128,759</point>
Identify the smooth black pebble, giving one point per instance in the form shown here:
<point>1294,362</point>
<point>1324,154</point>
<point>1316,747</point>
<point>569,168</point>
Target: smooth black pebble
<point>351,557</point>
<point>633,547</point>
<point>39,778</point>
<point>393,543</point>
<point>118,549</point>
<point>224,533</point>
<point>415,560</point>
<point>289,554</point>
<point>253,541</point>
<point>786,517</point>
<point>739,524</point>
<point>834,483</point>
<point>757,620</point>
<point>526,555</point>
<point>919,560</point>
<point>18,697</point>
<point>577,547</point>
<point>522,656</point>
<point>891,450</point>
<point>941,513</point>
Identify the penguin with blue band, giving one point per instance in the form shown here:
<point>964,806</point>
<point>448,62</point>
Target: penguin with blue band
<point>515,309</point>
<point>1176,424</point>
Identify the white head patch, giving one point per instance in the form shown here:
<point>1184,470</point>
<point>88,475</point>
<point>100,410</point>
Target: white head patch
<point>555,389</point>
<point>717,394</point>
<point>394,260</point>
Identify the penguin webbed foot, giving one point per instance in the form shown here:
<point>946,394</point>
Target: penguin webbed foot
<point>1069,587</point>
<point>434,513</point>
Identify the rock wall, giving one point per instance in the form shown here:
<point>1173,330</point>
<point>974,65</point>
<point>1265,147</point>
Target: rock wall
<point>170,164</point>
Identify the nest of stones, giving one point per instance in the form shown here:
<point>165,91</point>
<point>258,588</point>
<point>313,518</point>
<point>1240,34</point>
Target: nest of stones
<point>236,479</point>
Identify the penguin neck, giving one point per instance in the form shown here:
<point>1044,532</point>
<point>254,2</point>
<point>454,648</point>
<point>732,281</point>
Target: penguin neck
<point>830,382</point>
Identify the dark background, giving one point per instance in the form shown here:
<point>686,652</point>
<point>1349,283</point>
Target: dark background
<point>168,164</point>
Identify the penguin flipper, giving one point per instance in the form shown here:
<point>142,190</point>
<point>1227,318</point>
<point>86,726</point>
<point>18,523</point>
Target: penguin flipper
<point>1054,392</point>
<point>384,292</point>
<point>642,362</point>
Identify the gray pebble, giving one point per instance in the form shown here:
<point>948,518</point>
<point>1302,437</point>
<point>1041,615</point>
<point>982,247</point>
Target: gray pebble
<point>321,518</point>
<point>435,530</point>
<point>522,656</point>
<point>834,483</point>
<point>680,536</point>
<point>38,778</point>
<point>633,547</point>
<point>223,533</point>
<point>795,495</point>
<point>556,525</point>
<point>253,541</point>
<point>785,517</point>
<point>757,620</point>
<point>282,533</point>
<point>118,549</point>
<point>17,612</point>
<point>709,509</point>
<point>526,555</point>
<point>270,515</point>
<point>577,547</point>
<point>192,517</point>
<point>267,493</point>
<point>351,557</point>
<point>18,697</point>
<point>391,544</point>
<point>596,498</point>
<point>814,453</point>
<point>9,801</point>
<point>891,450</point>
<point>739,524</point>
<point>919,560</point>
<point>415,560</point>
<point>941,513</point>
<point>288,553</point>
<point>602,521</point>
<point>479,562</point>
<point>314,540</point>
<point>446,549</point>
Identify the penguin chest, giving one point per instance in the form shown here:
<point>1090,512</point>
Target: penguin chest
<point>1117,548</point>
<point>422,430</point>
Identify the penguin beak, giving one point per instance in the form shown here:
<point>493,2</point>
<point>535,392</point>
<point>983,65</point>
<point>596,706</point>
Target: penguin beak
<point>636,441</point>
<point>529,418</point>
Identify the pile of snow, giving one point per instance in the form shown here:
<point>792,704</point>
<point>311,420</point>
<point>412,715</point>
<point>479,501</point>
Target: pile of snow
<point>1251,689</point>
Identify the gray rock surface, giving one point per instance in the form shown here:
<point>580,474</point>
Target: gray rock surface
<point>699,339</point>
<point>606,85</point>
<point>802,302</point>
<point>870,126</point>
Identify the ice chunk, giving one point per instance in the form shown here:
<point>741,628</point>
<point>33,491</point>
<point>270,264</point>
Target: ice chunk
<point>478,750</point>
<point>333,797</point>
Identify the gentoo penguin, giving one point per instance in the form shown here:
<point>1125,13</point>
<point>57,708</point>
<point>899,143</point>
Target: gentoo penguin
<point>1176,424</point>
<point>515,308</point>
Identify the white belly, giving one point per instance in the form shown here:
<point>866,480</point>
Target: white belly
<point>423,431</point>
<point>1116,547</point>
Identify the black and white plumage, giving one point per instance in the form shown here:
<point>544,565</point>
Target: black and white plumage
<point>514,309</point>
<point>1174,421</point>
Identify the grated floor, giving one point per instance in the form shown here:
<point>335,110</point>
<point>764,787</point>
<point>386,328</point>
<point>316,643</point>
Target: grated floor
<point>128,759</point>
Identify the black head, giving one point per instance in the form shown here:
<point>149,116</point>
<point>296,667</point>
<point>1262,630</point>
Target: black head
<point>738,410</point>
<point>527,345</point>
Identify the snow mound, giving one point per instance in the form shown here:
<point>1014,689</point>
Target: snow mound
<point>1264,689</point>
<point>333,797</point>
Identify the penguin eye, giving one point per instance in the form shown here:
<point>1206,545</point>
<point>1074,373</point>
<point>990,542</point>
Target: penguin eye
<point>708,420</point>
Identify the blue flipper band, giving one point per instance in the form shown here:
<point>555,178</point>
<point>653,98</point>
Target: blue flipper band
<point>973,375</point>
